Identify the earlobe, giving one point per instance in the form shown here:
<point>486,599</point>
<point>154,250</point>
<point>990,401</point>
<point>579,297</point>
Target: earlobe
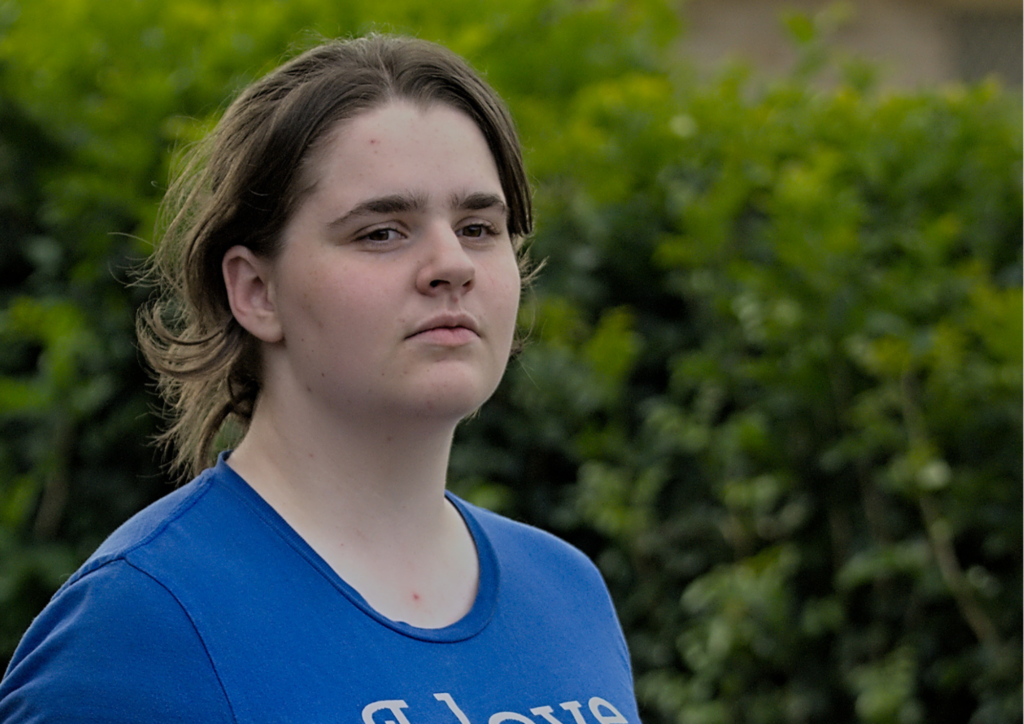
<point>250,293</point>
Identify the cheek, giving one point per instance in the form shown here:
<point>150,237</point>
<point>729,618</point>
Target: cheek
<point>507,285</point>
<point>308,298</point>
<point>323,301</point>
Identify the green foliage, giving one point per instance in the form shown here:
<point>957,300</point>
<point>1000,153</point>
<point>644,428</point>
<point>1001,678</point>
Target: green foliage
<point>774,380</point>
<point>804,482</point>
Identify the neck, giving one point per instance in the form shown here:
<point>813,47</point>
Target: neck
<point>368,496</point>
<point>340,475</point>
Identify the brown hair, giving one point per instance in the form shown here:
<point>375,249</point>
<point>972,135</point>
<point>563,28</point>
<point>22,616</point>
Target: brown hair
<point>241,185</point>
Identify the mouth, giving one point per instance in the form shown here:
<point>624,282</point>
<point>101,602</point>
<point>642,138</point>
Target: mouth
<point>447,329</point>
<point>447,336</point>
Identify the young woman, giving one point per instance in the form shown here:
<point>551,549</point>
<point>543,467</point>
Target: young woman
<point>341,278</point>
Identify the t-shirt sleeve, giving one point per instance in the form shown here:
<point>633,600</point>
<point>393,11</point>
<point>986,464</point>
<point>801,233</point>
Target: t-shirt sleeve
<point>113,646</point>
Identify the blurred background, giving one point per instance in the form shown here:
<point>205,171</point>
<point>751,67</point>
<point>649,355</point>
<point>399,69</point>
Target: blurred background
<point>913,43</point>
<point>773,386</point>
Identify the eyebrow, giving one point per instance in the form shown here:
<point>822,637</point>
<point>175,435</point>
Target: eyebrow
<point>478,202</point>
<point>403,203</point>
<point>391,204</point>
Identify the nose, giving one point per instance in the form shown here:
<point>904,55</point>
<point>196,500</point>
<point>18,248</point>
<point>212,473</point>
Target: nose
<point>447,266</point>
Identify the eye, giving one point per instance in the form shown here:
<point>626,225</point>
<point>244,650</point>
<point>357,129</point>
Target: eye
<point>478,230</point>
<point>382,235</point>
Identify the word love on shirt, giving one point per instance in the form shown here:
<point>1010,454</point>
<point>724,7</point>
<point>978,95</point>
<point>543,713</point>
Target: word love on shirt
<point>602,710</point>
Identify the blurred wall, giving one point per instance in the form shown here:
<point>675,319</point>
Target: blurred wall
<point>914,42</point>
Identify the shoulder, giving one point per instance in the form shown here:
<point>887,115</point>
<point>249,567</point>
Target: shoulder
<point>186,539</point>
<point>508,532</point>
<point>113,645</point>
<point>148,524</point>
<point>546,580</point>
<point>524,550</point>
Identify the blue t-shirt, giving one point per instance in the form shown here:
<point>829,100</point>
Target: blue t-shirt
<point>208,607</point>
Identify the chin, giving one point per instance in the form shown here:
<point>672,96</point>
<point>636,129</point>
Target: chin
<point>457,401</point>
<point>455,409</point>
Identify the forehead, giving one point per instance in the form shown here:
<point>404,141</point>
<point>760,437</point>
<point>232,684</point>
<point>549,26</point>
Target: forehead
<point>402,141</point>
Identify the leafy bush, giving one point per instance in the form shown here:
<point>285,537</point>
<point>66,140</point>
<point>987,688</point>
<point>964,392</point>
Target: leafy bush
<point>777,358</point>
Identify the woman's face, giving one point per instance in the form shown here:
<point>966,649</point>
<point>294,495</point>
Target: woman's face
<point>397,286</point>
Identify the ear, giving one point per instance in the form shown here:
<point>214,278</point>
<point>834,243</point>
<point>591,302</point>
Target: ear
<point>248,281</point>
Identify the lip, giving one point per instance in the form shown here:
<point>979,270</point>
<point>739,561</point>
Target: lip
<point>454,325</point>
